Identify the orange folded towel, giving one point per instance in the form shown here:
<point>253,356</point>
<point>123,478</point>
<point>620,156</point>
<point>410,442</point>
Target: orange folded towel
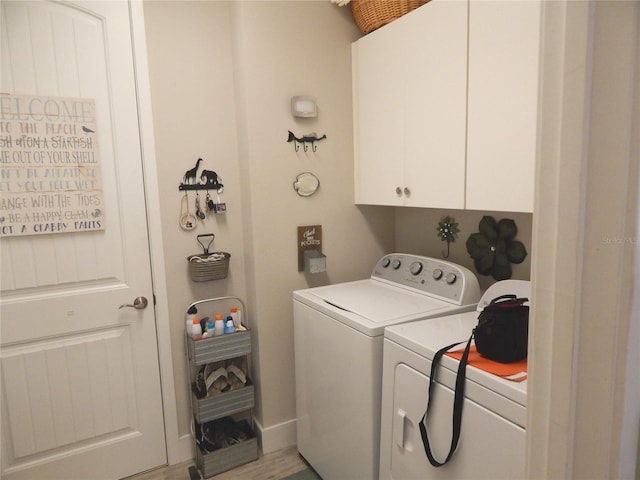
<point>516,371</point>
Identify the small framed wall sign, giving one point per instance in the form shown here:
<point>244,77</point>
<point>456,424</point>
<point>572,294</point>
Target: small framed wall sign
<point>309,238</point>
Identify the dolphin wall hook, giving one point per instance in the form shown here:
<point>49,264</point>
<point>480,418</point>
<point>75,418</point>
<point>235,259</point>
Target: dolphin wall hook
<point>305,140</point>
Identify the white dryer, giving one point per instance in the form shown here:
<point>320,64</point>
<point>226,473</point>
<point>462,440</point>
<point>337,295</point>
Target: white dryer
<point>492,439</point>
<point>338,332</point>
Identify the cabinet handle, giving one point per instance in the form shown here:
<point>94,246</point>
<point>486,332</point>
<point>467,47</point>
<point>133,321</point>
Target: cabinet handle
<point>398,191</point>
<point>407,192</point>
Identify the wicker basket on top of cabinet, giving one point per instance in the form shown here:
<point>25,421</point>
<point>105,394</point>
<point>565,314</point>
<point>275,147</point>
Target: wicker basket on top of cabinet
<point>370,15</point>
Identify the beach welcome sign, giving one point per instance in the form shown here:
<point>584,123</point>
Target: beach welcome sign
<point>50,180</point>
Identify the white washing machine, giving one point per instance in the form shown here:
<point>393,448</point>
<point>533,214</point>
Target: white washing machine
<point>338,332</point>
<point>492,439</point>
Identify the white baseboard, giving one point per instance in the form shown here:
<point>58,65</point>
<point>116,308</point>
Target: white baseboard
<point>276,437</point>
<point>182,450</point>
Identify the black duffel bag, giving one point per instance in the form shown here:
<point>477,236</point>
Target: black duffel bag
<point>502,332</point>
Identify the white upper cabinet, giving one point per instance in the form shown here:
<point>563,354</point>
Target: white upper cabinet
<point>445,107</point>
<point>379,123</point>
<point>502,113</point>
<point>409,83</point>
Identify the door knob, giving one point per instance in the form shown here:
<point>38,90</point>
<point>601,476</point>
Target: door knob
<point>140,303</point>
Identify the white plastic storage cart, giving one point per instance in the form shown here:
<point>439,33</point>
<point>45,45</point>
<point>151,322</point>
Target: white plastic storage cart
<point>224,432</point>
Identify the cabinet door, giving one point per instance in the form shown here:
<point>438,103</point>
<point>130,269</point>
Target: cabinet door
<point>435,104</point>
<point>378,92</point>
<point>504,49</point>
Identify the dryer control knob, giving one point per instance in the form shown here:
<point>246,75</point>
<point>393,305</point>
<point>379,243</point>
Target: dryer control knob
<point>437,274</point>
<point>396,264</point>
<point>385,262</point>
<point>451,278</point>
<point>416,268</point>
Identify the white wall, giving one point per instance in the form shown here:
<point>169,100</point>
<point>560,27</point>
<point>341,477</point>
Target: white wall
<point>416,232</point>
<point>222,75</point>
<point>285,49</point>
<point>189,55</point>
<point>584,236</point>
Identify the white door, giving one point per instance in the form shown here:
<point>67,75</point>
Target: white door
<point>80,377</point>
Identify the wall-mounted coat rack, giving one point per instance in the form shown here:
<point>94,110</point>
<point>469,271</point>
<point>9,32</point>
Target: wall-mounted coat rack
<point>305,140</point>
<point>202,186</point>
<point>209,179</point>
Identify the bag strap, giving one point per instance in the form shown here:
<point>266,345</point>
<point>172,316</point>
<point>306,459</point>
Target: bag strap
<point>458,400</point>
<point>508,296</point>
<point>508,299</point>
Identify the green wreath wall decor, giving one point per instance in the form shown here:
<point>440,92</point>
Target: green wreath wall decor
<point>494,249</point>
<point>448,231</point>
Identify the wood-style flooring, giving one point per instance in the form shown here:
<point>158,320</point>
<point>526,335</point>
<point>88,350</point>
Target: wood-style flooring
<point>273,466</point>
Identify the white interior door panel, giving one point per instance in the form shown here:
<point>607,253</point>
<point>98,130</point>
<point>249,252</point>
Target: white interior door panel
<point>80,376</point>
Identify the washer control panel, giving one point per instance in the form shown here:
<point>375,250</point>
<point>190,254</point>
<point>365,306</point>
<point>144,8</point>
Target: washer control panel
<point>430,276</point>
